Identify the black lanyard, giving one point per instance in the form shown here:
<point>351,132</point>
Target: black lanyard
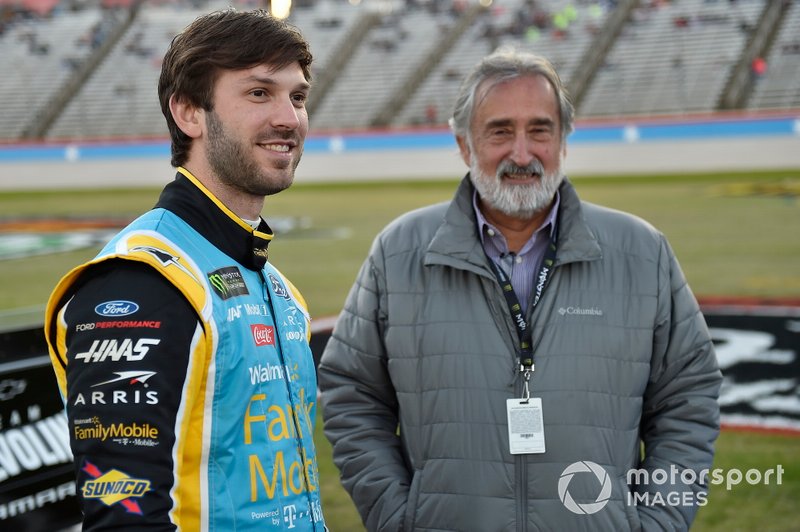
<point>524,328</point>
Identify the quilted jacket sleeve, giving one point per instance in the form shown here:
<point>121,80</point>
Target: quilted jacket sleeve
<point>360,406</point>
<point>680,419</point>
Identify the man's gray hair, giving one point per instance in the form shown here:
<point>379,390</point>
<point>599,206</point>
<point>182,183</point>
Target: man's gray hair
<point>503,65</point>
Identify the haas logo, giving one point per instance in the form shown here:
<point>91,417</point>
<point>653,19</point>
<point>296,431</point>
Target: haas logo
<point>263,334</point>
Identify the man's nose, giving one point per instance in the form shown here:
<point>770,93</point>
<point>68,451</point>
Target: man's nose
<point>522,150</point>
<point>285,115</point>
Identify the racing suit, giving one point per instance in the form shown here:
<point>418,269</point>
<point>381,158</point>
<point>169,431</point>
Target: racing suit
<point>182,357</point>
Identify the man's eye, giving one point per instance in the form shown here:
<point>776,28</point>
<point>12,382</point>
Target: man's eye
<point>258,93</point>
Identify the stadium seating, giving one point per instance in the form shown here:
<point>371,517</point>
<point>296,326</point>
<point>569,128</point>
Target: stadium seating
<point>564,46</point>
<point>671,57</point>
<point>779,86</point>
<point>325,25</point>
<point>120,99</point>
<point>114,103</point>
<point>36,57</point>
<point>388,54</point>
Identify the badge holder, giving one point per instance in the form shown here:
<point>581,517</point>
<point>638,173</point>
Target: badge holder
<point>525,422</point>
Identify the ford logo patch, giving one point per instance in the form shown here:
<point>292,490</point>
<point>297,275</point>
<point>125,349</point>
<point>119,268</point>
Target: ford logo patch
<point>116,308</point>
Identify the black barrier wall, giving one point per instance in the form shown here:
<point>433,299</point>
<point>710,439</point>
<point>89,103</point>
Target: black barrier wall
<point>758,350</point>
<point>37,486</point>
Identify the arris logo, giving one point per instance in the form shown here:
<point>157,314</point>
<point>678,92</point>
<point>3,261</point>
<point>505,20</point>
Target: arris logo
<point>116,308</point>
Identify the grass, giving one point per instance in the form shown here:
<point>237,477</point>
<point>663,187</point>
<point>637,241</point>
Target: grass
<point>744,507</point>
<point>735,235</point>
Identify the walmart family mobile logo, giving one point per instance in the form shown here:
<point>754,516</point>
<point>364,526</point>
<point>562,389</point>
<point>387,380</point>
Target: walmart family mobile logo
<point>602,497</point>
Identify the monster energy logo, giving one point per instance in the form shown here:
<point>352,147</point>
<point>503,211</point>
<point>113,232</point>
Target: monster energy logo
<point>227,282</point>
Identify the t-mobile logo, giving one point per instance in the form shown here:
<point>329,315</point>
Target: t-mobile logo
<point>289,515</point>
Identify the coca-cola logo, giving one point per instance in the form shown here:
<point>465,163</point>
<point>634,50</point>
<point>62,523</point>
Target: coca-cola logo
<point>263,334</point>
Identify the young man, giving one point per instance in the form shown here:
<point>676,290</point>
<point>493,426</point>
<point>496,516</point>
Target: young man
<point>181,353</point>
<point>503,358</point>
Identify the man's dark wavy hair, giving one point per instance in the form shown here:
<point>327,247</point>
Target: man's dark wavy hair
<point>223,40</point>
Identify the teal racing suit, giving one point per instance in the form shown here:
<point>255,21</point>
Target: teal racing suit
<point>183,359</point>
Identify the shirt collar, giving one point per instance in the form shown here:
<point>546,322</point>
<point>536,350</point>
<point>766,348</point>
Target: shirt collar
<point>496,238</point>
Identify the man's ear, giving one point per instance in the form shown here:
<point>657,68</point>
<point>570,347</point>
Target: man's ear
<point>463,148</point>
<point>187,116</point>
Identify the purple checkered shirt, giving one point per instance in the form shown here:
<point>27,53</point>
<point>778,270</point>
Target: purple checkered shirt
<point>521,267</point>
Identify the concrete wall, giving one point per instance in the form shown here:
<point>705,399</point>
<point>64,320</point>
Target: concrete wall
<point>725,143</point>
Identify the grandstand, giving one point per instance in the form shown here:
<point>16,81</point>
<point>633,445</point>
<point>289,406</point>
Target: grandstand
<point>390,52</point>
<point>120,98</point>
<point>672,58</point>
<point>37,57</point>
<point>779,87</point>
<point>517,25</point>
<point>88,69</point>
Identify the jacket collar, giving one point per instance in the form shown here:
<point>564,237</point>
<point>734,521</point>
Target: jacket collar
<point>576,241</point>
<point>457,243</point>
<point>187,198</point>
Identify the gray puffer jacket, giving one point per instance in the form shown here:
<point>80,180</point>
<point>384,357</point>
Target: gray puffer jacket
<point>423,357</point>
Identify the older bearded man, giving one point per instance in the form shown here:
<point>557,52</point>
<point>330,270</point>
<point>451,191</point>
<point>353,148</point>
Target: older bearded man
<point>505,359</point>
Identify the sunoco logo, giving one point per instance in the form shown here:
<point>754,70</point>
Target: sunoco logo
<point>566,478</point>
<point>114,487</point>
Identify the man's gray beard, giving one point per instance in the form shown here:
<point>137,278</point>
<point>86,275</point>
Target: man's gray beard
<point>517,201</point>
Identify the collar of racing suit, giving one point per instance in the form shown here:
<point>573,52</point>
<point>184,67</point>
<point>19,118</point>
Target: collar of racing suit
<point>196,205</point>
